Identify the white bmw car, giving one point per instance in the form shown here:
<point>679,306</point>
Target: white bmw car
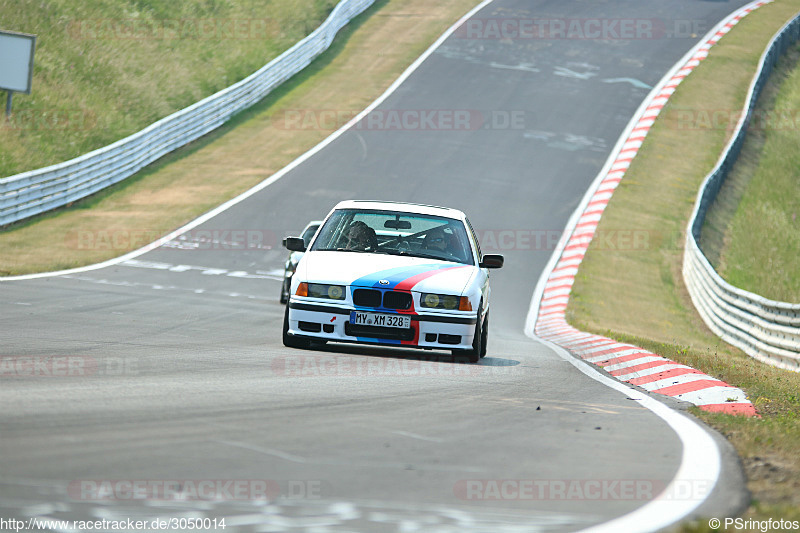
<point>391,274</point>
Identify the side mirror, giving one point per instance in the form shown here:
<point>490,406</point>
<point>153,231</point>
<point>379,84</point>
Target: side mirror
<point>294,244</point>
<point>492,261</point>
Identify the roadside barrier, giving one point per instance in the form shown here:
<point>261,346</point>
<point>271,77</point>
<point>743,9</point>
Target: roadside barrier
<point>764,329</point>
<point>38,191</point>
<point>547,317</point>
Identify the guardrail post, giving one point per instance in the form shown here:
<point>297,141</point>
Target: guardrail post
<point>32,193</point>
<point>764,329</point>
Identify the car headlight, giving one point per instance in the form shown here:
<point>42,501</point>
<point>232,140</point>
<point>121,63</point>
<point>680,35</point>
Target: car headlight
<point>319,290</point>
<point>445,301</point>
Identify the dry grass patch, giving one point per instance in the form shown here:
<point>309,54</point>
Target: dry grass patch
<point>109,69</point>
<point>753,230</point>
<point>185,184</point>
<point>638,296</point>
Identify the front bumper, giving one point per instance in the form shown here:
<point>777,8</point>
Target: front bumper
<point>428,330</point>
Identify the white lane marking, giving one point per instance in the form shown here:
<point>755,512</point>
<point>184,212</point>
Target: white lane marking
<point>667,366</point>
<point>608,356</point>
<point>674,380</point>
<point>418,437</point>
<point>700,461</point>
<point>41,509</point>
<point>151,286</point>
<point>568,73</point>
<point>266,451</point>
<point>636,83</point>
<point>525,67</point>
<point>714,395</point>
<point>632,362</point>
<point>275,177</point>
<point>609,348</point>
<point>199,243</point>
<point>346,462</point>
<point>206,271</point>
<point>246,519</point>
<point>701,457</point>
<point>593,341</point>
<point>700,453</point>
<point>321,514</point>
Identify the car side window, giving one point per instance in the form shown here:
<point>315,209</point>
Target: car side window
<point>309,234</point>
<point>475,240</point>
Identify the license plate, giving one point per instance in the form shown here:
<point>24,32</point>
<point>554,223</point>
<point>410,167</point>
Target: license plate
<point>385,321</point>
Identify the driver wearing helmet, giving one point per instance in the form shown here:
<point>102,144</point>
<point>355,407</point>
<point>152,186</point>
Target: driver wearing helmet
<point>361,237</point>
<point>441,239</point>
<point>444,242</point>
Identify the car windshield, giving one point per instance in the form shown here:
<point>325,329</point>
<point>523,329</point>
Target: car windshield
<point>395,233</point>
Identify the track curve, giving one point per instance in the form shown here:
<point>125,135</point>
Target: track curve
<point>187,379</point>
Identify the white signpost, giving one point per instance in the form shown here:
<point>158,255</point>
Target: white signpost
<point>16,63</point>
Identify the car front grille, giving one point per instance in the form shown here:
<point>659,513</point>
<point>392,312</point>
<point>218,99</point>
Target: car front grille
<point>396,300</point>
<point>367,298</point>
<point>387,300</point>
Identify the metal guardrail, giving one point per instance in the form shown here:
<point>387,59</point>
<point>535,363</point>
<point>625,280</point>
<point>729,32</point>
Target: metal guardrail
<point>764,329</point>
<point>37,191</point>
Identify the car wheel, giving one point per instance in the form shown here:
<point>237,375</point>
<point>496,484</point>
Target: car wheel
<point>484,336</point>
<point>285,290</point>
<point>291,341</point>
<point>478,344</point>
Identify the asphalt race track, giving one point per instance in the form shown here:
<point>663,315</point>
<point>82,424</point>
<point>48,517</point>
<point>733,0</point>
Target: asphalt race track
<point>179,372</point>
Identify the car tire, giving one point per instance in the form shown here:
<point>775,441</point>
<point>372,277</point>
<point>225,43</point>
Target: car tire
<point>284,291</point>
<point>479,341</point>
<point>484,336</point>
<point>290,341</point>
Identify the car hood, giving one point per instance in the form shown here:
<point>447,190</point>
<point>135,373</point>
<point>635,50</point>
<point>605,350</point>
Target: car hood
<point>397,272</point>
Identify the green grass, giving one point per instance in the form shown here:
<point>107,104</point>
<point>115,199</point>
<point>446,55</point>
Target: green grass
<point>638,295</point>
<point>753,231</point>
<point>648,305</point>
<point>95,81</point>
<point>247,150</point>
